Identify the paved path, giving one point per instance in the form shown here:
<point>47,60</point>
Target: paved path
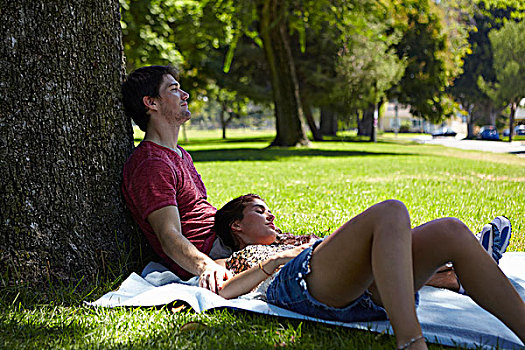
<point>515,147</point>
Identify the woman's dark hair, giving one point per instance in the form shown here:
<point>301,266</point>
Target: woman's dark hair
<point>142,82</point>
<point>230,212</point>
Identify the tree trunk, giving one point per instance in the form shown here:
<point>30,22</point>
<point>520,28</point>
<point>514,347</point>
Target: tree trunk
<point>373,132</point>
<point>307,109</point>
<point>328,122</point>
<point>223,120</point>
<point>63,141</point>
<point>492,116</point>
<point>285,88</point>
<point>365,123</point>
<point>470,123</point>
<point>513,107</point>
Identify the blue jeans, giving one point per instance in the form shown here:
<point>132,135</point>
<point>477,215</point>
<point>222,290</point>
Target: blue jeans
<point>289,290</point>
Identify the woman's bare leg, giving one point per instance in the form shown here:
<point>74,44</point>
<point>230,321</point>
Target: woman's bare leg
<point>448,239</point>
<point>375,245</point>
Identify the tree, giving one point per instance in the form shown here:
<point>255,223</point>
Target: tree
<point>509,65</point>
<point>195,36</point>
<point>433,53</point>
<point>273,25</point>
<point>231,106</point>
<point>486,15</point>
<point>368,67</point>
<point>63,141</point>
<point>274,29</point>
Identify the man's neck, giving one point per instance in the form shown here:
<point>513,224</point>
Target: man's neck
<point>167,137</point>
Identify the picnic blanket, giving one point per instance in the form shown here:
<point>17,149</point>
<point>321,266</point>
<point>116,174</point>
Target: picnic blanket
<point>446,317</point>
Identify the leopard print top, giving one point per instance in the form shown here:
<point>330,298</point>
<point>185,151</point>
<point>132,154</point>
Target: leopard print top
<point>252,255</point>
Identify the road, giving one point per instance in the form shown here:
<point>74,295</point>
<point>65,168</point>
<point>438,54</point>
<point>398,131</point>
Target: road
<point>514,147</point>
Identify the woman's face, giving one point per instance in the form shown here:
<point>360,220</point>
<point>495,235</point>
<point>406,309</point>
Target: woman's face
<point>256,226</point>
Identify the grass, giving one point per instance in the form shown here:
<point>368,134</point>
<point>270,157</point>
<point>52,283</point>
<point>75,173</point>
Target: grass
<point>514,138</point>
<point>311,190</point>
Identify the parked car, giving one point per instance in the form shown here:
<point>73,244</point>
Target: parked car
<point>444,132</point>
<point>519,130</point>
<point>488,132</point>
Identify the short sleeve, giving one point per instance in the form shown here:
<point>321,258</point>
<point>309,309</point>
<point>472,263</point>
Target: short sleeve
<point>153,186</point>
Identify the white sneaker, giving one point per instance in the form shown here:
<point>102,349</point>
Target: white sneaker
<point>486,239</point>
<point>502,233</point>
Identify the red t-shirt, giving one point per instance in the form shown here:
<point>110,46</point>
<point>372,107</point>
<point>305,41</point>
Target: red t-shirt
<point>156,177</point>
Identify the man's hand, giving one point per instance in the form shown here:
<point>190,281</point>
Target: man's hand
<point>445,277</point>
<point>213,277</point>
<point>166,224</point>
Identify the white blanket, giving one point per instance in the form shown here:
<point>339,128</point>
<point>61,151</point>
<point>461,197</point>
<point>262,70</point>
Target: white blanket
<point>446,317</point>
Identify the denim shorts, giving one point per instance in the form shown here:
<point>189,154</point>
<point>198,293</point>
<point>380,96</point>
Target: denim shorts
<point>288,290</point>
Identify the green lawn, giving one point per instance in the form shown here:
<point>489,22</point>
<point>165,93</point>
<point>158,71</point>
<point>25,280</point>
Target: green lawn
<point>310,190</point>
<point>514,138</point>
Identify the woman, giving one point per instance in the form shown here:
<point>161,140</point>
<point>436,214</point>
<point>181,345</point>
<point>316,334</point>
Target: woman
<point>368,268</point>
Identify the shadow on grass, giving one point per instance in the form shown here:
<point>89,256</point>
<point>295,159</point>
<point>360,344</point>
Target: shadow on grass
<point>218,140</point>
<point>228,140</point>
<point>251,154</point>
<point>37,333</point>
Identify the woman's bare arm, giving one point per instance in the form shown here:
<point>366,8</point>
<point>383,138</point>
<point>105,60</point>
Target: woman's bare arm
<point>245,281</point>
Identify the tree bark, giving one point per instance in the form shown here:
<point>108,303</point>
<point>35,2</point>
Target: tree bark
<point>307,109</point>
<point>375,120</point>
<point>513,107</point>
<point>328,122</point>
<point>285,88</point>
<point>366,122</point>
<point>470,123</point>
<point>63,141</point>
<point>223,120</point>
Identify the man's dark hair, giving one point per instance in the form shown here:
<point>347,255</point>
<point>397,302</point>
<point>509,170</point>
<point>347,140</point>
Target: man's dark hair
<point>142,82</point>
<point>230,212</point>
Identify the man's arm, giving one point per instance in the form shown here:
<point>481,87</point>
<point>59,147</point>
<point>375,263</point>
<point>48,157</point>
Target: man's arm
<point>166,225</point>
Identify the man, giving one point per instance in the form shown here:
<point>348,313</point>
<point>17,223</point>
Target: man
<point>162,187</point>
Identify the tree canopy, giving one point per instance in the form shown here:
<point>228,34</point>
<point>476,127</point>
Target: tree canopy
<point>482,18</point>
<point>326,54</point>
<point>509,67</point>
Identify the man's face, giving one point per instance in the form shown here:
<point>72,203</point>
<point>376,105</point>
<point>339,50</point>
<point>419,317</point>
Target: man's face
<point>172,103</point>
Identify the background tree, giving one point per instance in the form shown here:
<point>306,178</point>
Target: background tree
<point>274,31</point>
<point>508,46</point>
<point>484,17</point>
<point>63,141</point>
<point>290,31</point>
<point>315,73</point>
<point>369,68</point>
<point>232,106</point>
<point>198,37</point>
<point>433,59</point>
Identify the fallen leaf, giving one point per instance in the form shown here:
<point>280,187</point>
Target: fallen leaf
<point>178,309</point>
<point>192,326</point>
